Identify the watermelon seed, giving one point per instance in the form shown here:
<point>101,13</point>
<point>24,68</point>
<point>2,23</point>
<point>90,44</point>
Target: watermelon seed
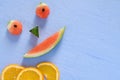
<point>43,10</point>
<point>15,26</point>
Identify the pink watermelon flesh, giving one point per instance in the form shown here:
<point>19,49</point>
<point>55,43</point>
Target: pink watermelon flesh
<point>46,45</point>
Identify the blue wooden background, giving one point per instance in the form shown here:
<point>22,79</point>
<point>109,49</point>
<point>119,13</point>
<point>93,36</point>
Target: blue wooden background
<point>90,48</point>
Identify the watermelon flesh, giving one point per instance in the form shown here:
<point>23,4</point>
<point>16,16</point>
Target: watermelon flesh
<point>45,46</point>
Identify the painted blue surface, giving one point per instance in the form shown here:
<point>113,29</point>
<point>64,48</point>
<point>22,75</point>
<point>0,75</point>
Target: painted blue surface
<point>90,48</point>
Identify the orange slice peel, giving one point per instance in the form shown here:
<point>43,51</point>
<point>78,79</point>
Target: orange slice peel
<point>49,70</point>
<point>30,74</point>
<point>11,72</point>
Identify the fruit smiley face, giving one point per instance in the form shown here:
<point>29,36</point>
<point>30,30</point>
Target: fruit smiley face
<point>43,71</point>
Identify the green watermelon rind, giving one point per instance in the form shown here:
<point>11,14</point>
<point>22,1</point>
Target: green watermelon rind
<point>61,32</point>
<point>35,31</point>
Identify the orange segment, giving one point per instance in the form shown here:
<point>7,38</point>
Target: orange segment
<point>30,74</point>
<point>15,27</point>
<point>11,72</point>
<point>49,70</point>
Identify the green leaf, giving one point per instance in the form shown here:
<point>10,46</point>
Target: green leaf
<point>35,31</point>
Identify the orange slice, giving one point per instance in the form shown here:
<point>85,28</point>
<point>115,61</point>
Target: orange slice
<point>30,74</point>
<point>49,70</point>
<point>11,72</point>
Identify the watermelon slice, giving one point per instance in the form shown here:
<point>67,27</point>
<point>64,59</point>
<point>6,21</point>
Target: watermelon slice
<point>46,45</point>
